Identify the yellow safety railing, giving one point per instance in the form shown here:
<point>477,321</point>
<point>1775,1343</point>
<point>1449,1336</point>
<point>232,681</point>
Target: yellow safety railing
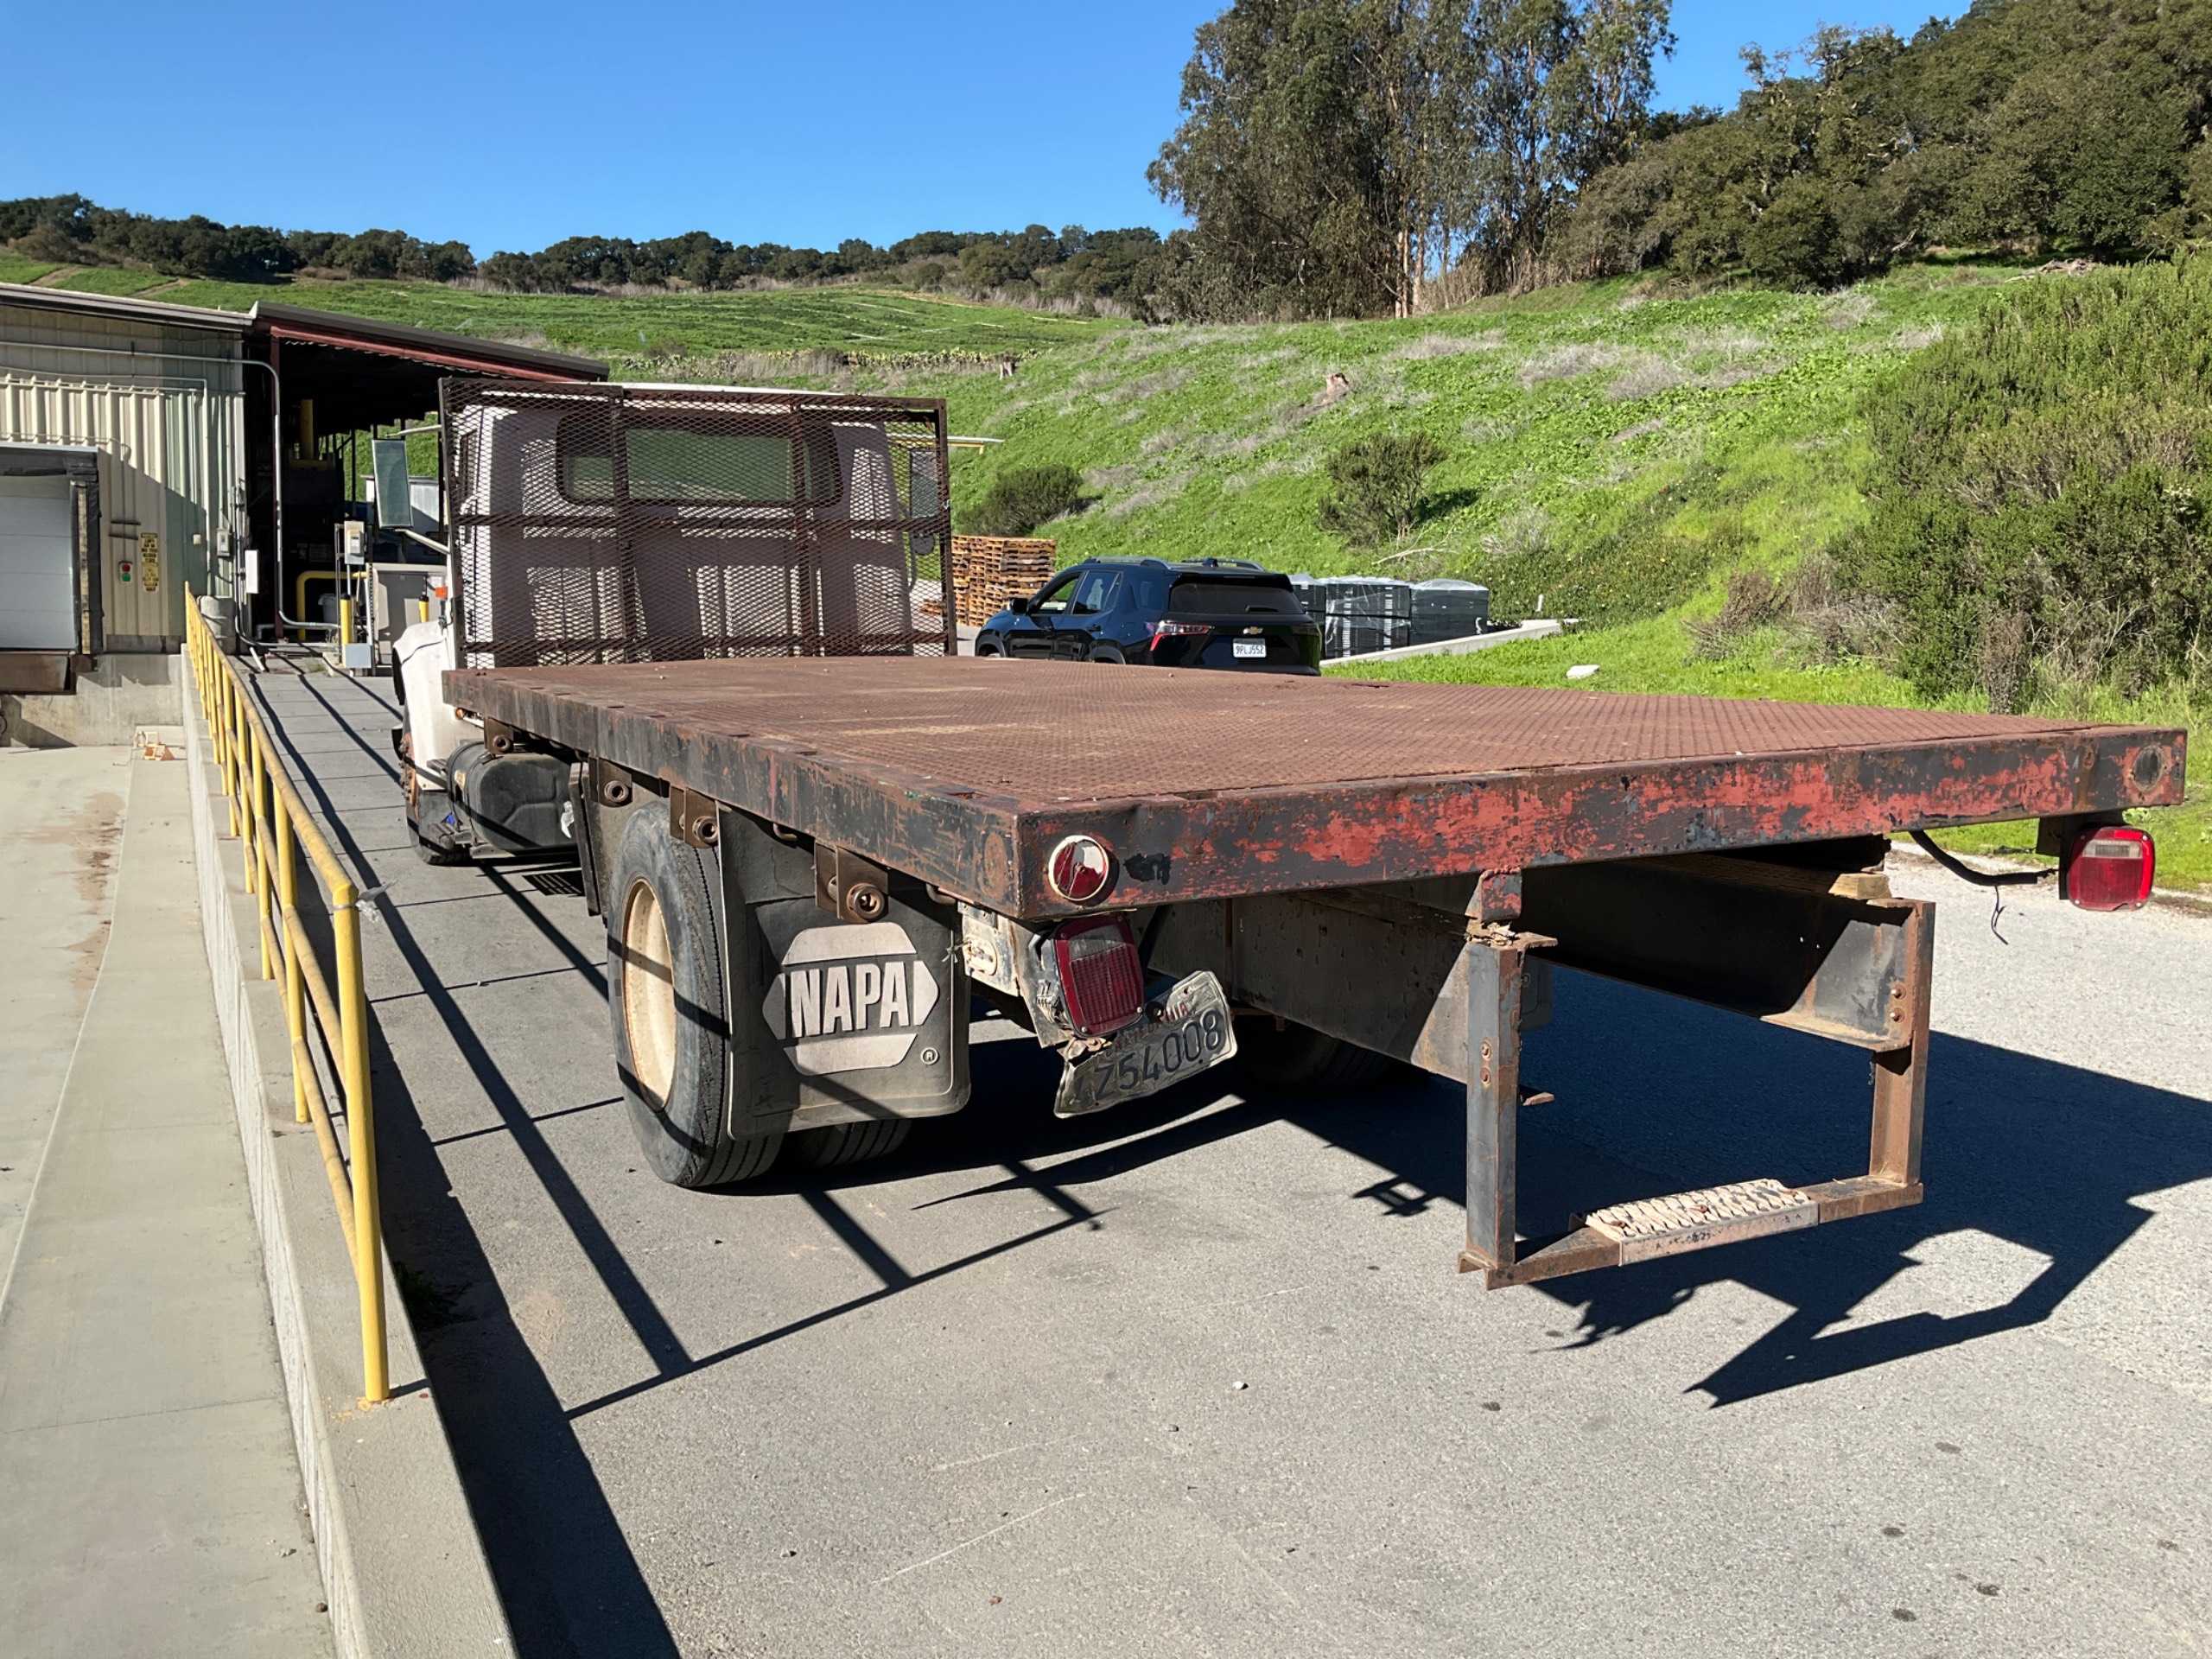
<point>266,813</point>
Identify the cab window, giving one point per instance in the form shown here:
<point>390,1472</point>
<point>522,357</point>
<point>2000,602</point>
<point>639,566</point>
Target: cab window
<point>1053,599</point>
<point>1095,593</point>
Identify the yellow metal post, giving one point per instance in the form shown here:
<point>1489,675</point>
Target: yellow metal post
<point>215,715</point>
<point>345,628</point>
<point>287,893</point>
<point>244,769</point>
<point>261,834</point>
<point>230,724</point>
<point>360,1130</point>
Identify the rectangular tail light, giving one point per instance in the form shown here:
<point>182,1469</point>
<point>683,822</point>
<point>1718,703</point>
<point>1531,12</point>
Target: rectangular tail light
<point>2109,867</point>
<point>1101,981</point>
<point>1174,630</point>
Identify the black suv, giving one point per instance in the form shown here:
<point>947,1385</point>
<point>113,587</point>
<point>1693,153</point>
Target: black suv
<point>1202,613</point>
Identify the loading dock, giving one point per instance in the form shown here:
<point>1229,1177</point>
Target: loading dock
<point>49,504</point>
<point>147,448</point>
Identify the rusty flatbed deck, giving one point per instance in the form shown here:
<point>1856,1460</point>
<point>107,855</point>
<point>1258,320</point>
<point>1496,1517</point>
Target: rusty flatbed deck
<point>1206,784</point>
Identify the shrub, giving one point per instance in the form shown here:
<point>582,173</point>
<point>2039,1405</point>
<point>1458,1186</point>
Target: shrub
<point>1796,243</point>
<point>1018,501</point>
<point>2040,489</point>
<point>1754,600</point>
<point>1376,484</point>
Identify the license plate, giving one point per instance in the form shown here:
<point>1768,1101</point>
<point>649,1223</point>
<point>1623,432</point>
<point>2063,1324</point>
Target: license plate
<point>1247,648</point>
<point>1182,1034</point>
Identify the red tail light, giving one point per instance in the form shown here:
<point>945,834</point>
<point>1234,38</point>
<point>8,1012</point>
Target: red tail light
<point>1170,630</point>
<point>2109,867</point>
<point>1102,981</point>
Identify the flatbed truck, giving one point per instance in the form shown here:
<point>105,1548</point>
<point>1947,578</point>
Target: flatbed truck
<point>813,865</point>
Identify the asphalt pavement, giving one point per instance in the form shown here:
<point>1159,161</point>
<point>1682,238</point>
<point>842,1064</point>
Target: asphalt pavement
<point>1198,1377</point>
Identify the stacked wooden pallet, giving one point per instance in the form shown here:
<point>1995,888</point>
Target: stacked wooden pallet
<point>989,570</point>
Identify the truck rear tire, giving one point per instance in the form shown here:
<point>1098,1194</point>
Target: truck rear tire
<point>841,1144</point>
<point>1297,1059</point>
<point>666,1008</point>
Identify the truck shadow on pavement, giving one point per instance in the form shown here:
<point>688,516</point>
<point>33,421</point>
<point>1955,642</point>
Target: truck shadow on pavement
<point>566,1574</point>
<point>2049,1158</point>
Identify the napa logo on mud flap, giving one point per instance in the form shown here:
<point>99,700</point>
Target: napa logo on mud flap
<point>850,999</point>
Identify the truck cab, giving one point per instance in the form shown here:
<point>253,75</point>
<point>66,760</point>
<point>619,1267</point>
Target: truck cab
<point>629,523</point>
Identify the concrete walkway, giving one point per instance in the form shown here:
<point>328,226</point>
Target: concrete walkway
<point>152,1499</point>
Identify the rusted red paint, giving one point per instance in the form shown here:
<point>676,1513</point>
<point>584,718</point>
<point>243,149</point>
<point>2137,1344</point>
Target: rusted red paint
<point>1209,784</point>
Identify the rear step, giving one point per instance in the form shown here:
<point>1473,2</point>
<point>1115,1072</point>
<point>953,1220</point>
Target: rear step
<point>1644,1228</point>
<point>1867,985</point>
<point>1712,1215</point>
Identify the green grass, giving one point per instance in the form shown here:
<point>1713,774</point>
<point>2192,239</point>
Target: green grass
<point>112,279</point>
<point>640,336</point>
<point>1607,451</point>
<point>13,267</point>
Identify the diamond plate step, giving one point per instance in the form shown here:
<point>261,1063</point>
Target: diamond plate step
<point>1714,1214</point>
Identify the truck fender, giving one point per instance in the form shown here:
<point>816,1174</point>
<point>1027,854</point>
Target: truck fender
<point>421,656</point>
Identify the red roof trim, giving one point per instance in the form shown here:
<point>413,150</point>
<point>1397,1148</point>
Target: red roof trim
<point>493,366</point>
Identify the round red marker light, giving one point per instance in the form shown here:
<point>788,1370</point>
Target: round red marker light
<point>1079,869</point>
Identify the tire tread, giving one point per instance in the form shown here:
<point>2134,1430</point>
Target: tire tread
<point>837,1145</point>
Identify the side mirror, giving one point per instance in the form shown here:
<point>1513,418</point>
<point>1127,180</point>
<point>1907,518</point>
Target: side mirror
<point>1018,605</point>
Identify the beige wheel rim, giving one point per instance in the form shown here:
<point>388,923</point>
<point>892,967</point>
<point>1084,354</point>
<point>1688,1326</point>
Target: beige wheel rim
<point>648,992</point>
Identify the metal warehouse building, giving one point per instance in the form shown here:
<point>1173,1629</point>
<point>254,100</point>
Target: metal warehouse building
<point>146,449</point>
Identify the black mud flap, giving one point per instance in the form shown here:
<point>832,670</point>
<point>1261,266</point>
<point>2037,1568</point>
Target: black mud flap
<point>438,821</point>
<point>839,1021</point>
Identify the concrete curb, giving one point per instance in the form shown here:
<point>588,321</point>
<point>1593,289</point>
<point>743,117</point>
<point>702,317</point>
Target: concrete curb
<point>403,1567</point>
<point>1544,628</point>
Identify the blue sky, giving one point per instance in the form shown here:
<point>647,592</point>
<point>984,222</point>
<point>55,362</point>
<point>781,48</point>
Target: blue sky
<point>510,126</point>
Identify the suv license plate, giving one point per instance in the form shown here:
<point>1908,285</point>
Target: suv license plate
<point>1247,648</point>
<point>1184,1033</point>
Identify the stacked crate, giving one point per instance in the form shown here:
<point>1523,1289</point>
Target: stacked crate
<point>989,570</point>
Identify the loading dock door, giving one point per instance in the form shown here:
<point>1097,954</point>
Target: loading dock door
<point>38,586</point>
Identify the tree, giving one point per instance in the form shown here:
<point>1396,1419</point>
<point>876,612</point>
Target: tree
<point>1333,157</point>
<point>1273,164</point>
<point>515,271</point>
<point>995,264</point>
<point>1558,92</point>
<point>2072,124</point>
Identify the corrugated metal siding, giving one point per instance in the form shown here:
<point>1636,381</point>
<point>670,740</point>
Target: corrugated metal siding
<point>165,407</point>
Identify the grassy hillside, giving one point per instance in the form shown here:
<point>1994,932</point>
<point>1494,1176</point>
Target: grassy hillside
<point>1607,451</point>
<point>635,334</point>
<point>110,279</point>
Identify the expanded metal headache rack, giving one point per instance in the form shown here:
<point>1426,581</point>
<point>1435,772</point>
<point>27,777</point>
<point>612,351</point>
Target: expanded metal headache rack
<point>623,524</point>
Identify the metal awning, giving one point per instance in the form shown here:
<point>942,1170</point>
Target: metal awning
<point>50,460</point>
<point>461,354</point>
